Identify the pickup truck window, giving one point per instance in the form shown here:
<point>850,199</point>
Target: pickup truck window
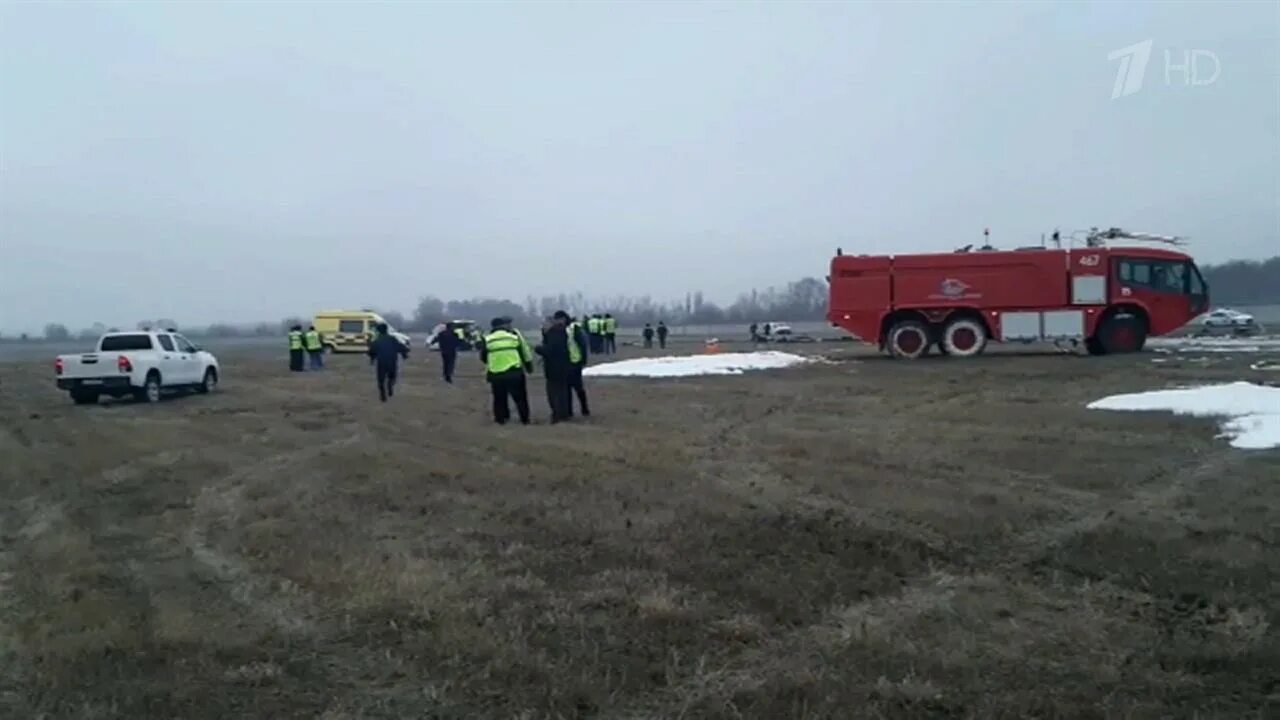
<point>166,342</point>
<point>183,344</point>
<point>120,343</point>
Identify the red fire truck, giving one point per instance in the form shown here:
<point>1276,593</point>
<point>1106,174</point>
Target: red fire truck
<point>1108,298</point>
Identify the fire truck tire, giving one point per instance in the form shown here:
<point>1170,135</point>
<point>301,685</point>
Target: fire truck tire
<point>909,339</point>
<point>963,337</point>
<point>1122,333</point>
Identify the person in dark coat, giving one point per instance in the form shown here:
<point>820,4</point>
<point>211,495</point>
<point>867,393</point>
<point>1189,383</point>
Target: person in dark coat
<point>385,352</point>
<point>554,350</point>
<point>648,335</point>
<point>662,334</point>
<point>448,342</point>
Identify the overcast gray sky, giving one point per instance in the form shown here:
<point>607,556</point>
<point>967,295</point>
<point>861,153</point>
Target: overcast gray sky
<point>247,161</point>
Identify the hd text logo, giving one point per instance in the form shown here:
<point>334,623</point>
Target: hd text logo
<point>1186,67</point>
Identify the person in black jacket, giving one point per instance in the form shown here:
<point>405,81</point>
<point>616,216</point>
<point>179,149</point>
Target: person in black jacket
<point>556,366</point>
<point>448,342</point>
<point>385,352</point>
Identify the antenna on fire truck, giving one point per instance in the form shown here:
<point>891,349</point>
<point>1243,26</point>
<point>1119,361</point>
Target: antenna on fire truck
<point>1098,238</point>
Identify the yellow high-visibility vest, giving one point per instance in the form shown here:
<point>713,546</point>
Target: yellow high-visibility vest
<point>295,340</point>
<point>575,352</point>
<point>506,350</point>
<point>313,340</point>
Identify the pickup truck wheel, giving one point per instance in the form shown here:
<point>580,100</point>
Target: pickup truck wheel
<point>210,382</point>
<point>909,339</point>
<point>84,397</point>
<point>150,391</point>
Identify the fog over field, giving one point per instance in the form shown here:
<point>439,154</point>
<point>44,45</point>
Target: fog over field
<point>244,162</point>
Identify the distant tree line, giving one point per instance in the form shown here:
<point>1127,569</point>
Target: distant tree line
<point>804,299</point>
<point>1239,282</point>
<point>1244,282</point>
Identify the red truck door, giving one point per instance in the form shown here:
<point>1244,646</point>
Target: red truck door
<point>1171,291</point>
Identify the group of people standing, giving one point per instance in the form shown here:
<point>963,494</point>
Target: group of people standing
<point>602,334</point>
<point>508,359</point>
<point>305,342</point>
<point>649,332</point>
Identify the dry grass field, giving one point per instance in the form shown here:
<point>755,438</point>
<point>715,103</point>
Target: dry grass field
<point>861,538</point>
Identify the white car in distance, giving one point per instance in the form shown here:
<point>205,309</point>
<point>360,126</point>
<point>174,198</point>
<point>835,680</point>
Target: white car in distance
<point>1228,320</point>
<point>143,364</point>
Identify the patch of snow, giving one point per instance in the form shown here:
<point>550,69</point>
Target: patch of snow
<point>1250,412</point>
<point>691,365</point>
<point>1216,345</point>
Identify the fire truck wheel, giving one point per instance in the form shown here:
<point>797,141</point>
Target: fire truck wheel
<point>1123,333</point>
<point>908,339</point>
<point>964,337</point>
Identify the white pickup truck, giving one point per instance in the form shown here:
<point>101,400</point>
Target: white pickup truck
<point>141,364</point>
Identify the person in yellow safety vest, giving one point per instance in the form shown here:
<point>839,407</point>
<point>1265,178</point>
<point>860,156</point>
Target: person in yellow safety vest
<point>315,348</point>
<point>295,348</point>
<point>594,330</point>
<point>577,361</point>
<point>610,334</point>
<point>507,358</point>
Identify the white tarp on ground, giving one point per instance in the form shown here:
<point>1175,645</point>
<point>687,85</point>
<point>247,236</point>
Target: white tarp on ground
<point>1251,413</point>
<point>689,365</point>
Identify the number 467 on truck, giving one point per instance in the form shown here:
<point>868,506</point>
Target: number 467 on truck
<point>1110,298</point>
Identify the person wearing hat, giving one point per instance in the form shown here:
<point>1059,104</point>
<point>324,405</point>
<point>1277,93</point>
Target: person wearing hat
<point>385,352</point>
<point>557,365</point>
<point>507,358</point>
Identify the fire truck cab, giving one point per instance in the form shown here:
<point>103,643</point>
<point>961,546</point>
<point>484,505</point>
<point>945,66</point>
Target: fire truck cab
<point>1111,299</point>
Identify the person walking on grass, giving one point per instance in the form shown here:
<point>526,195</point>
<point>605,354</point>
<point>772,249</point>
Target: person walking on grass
<point>507,359</point>
<point>385,352</point>
<point>648,336</point>
<point>448,341</point>
<point>662,335</point>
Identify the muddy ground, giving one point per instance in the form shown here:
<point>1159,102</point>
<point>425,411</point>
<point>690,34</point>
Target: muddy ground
<point>864,538</point>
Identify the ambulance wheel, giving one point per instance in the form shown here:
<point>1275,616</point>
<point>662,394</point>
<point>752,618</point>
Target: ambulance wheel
<point>963,337</point>
<point>908,339</point>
